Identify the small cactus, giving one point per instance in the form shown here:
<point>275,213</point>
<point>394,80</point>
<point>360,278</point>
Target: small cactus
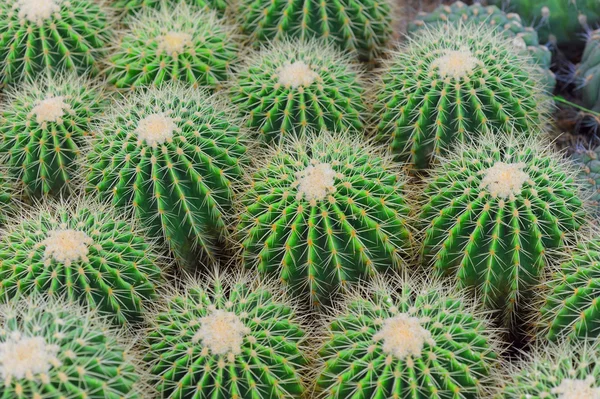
<point>52,350</point>
<point>494,212</point>
<point>324,212</point>
<point>228,337</point>
<point>451,83</point>
<point>587,73</point>
<point>170,155</point>
<point>296,87</point>
<point>588,161</point>
<point>361,27</point>
<point>83,252</point>
<point>41,36</point>
<point>407,339</point>
<point>179,43</point>
<point>509,25</point>
<point>43,128</point>
<point>133,6</point>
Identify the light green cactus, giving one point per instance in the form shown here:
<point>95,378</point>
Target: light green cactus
<point>133,6</point>
<point>228,337</point>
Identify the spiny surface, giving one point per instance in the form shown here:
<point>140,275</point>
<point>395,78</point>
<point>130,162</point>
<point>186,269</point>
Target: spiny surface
<point>84,253</point>
<point>449,84</point>
<point>323,213</point>
<point>134,6</point>
<point>180,43</point>
<point>170,156</point>
<point>492,215</point>
<point>229,337</point>
<point>360,27</point>
<point>406,340</point>
<point>43,129</point>
<point>39,37</point>
<point>298,88</point>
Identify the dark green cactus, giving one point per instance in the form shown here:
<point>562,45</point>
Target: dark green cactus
<point>588,73</point>
<point>43,128</point>
<point>229,337</point>
<point>494,213</point>
<point>509,25</point>
<point>132,6</point>
<point>451,83</point>
<point>169,156</point>
<point>589,173</point>
<point>361,27</point>
<point>295,88</point>
<point>179,43</point>
<point>40,36</point>
<point>323,213</point>
<point>407,340</point>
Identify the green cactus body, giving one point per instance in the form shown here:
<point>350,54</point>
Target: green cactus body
<point>179,43</point>
<point>39,36</point>
<point>169,155</point>
<point>563,371</point>
<point>449,83</point>
<point>292,88</point>
<point>51,350</point>
<point>588,73</point>
<point>589,163</point>
<point>81,252</point>
<point>510,25</point>
<point>227,338</point>
<point>493,213</point>
<point>407,340</point>
<point>43,128</point>
<point>559,21</point>
<point>361,27</point>
<point>323,213</point>
<point>133,6</point>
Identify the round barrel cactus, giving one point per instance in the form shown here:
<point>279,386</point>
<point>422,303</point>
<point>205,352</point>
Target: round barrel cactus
<point>294,88</point>
<point>509,25</point>
<point>133,6</point>
<point>53,350</point>
<point>494,213</point>
<point>169,155</point>
<point>43,128</point>
<point>407,339</point>
<point>588,160</point>
<point>554,371</point>
<point>587,73</point>
<point>360,27</point>
<point>228,337</point>
<point>179,43</point>
<point>450,83</point>
<point>84,252</point>
<point>42,36</point>
<point>322,213</point>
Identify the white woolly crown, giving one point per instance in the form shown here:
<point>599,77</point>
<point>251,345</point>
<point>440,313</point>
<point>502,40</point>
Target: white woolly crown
<point>26,357</point>
<point>505,180</point>
<point>456,63</point>
<point>403,336</point>
<point>577,389</point>
<point>155,129</point>
<point>37,10</point>
<point>316,181</point>
<point>297,74</point>
<point>50,109</point>
<point>222,332</point>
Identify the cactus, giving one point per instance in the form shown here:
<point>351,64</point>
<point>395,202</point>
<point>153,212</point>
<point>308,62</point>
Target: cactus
<point>296,87</point>
<point>170,155</point>
<point>587,160</point>
<point>493,214</point>
<point>564,371</point>
<point>407,339</point>
<point>229,337</point>
<point>587,73</point>
<point>322,213</point>
<point>558,21</point>
<point>179,43</point>
<point>360,27</point>
<point>509,25</point>
<point>43,128</point>
<point>82,251</point>
<point>41,36</point>
<point>133,6</point>
<point>448,84</point>
<point>50,349</point>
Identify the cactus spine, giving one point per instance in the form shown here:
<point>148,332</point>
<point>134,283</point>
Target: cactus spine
<point>133,6</point>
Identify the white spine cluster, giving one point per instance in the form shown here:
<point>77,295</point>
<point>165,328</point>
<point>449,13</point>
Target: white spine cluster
<point>221,332</point>
<point>456,63</point>
<point>315,182</point>
<point>66,246</point>
<point>155,129</point>
<point>37,11</point>
<point>173,42</point>
<point>403,336</point>
<point>504,180</point>
<point>50,109</point>
<point>577,389</point>
<point>26,357</point>
<point>297,74</point>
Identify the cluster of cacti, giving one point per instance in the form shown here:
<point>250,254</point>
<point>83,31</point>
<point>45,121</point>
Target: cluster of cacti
<point>322,213</point>
<point>587,73</point>
<point>43,36</point>
<point>588,162</point>
<point>133,6</point>
<point>451,84</point>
